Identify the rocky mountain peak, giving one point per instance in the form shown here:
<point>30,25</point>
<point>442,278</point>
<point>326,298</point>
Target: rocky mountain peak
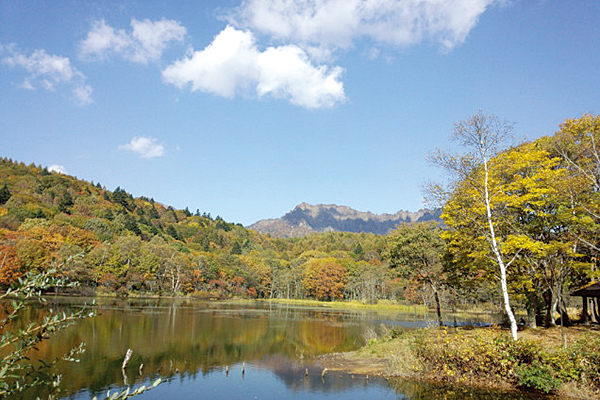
<point>307,218</point>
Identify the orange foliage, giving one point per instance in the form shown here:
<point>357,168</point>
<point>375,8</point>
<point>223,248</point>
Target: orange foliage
<point>197,277</point>
<point>322,335</point>
<point>82,238</point>
<point>10,265</point>
<point>324,278</point>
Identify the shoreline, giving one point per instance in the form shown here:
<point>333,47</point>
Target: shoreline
<point>450,359</point>
<point>381,306</point>
<point>335,305</point>
<point>451,355</point>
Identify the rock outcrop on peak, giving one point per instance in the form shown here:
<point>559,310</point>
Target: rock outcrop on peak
<point>305,219</point>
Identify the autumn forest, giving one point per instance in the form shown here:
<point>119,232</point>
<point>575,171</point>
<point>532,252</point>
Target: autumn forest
<point>544,199</point>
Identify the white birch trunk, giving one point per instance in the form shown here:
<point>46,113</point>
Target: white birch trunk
<point>496,250</point>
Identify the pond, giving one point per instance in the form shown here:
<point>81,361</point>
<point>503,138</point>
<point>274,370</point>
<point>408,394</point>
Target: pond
<point>227,350</point>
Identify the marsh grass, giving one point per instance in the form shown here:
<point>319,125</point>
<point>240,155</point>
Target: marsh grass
<point>381,305</point>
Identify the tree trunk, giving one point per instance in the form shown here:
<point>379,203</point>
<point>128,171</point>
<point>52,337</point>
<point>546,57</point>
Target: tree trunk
<point>554,310</point>
<point>532,310</point>
<point>584,311</point>
<point>548,302</point>
<point>595,309</point>
<point>531,316</point>
<point>499,258</point>
<point>564,317</point>
<point>437,306</point>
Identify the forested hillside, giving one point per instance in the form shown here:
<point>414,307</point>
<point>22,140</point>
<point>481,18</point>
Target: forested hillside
<point>112,242</point>
<point>541,198</point>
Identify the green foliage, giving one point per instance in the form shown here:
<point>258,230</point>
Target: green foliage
<point>65,202</point>
<point>491,355</point>
<point>416,251</point>
<point>4,194</point>
<point>121,197</point>
<point>236,248</point>
<point>100,228</point>
<point>131,225</point>
<point>584,361</point>
<point>17,373</point>
<point>537,377</point>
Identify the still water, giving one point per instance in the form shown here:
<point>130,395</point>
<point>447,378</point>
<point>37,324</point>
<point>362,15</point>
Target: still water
<point>213,350</point>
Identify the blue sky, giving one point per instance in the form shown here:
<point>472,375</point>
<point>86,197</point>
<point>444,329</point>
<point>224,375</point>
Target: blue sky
<point>245,109</point>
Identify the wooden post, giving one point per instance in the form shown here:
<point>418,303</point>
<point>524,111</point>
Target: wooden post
<point>584,312</point>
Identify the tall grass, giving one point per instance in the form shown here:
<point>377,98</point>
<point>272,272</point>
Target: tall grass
<point>382,305</point>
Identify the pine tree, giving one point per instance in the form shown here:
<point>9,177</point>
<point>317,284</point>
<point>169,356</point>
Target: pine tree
<point>236,248</point>
<point>131,225</point>
<point>153,213</point>
<point>173,232</point>
<point>65,202</point>
<point>4,194</point>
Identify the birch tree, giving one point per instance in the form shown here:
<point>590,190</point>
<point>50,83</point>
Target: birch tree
<point>482,136</point>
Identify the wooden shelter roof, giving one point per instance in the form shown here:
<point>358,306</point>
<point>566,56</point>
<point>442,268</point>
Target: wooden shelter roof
<point>589,290</point>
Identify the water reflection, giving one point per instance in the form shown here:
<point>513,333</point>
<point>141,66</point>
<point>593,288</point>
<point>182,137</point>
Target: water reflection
<point>281,379</point>
<point>267,384</point>
<point>423,391</point>
<point>194,342</point>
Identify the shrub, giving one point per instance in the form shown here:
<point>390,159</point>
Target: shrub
<point>537,377</point>
<point>492,356</point>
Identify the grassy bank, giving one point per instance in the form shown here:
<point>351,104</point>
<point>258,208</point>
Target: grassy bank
<point>486,357</point>
<point>355,305</point>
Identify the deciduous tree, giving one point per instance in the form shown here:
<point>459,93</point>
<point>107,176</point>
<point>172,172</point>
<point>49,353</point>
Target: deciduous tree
<point>324,278</point>
<point>416,252</point>
<point>578,145</point>
<point>482,136</point>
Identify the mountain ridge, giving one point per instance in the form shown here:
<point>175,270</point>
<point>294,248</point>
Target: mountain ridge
<point>306,218</point>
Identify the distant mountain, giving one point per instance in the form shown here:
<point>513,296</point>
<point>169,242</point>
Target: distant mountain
<point>305,219</point>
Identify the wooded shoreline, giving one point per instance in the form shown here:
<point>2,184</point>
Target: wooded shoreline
<point>484,358</point>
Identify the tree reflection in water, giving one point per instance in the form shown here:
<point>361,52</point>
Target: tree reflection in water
<point>193,342</point>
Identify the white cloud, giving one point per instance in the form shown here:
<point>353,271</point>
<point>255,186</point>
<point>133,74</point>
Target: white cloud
<point>82,95</point>
<point>58,168</point>
<point>232,63</point>
<point>338,23</point>
<point>145,147</point>
<point>286,72</point>
<point>103,39</point>
<point>47,71</point>
<point>224,66</point>
<point>145,43</point>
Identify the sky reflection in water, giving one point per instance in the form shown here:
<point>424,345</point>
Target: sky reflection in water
<point>191,343</point>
